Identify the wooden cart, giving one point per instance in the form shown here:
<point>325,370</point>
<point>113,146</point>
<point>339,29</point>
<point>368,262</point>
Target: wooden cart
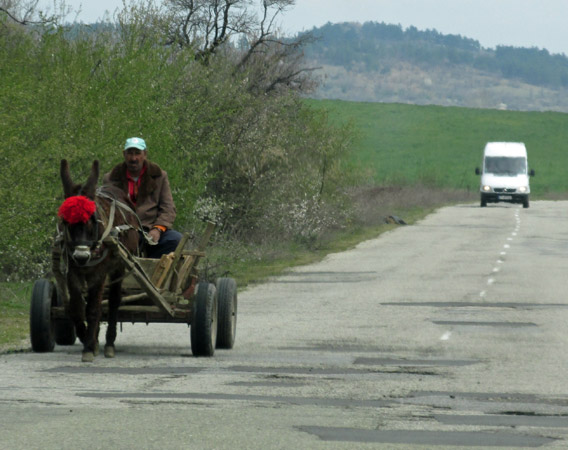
<point>165,290</point>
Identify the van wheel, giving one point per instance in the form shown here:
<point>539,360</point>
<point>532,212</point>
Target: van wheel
<point>483,202</point>
<point>526,203</point>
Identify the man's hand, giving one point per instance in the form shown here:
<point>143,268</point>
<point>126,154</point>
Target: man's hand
<point>155,234</point>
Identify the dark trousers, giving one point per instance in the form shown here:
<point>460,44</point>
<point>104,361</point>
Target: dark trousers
<point>168,243</point>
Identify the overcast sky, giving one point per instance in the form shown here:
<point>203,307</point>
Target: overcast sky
<point>521,23</point>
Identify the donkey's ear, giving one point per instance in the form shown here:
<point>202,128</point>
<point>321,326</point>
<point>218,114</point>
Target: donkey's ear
<point>68,185</point>
<point>91,185</point>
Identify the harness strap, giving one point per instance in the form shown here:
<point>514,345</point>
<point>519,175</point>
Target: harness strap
<point>94,262</point>
<point>109,222</point>
<point>122,207</point>
<point>109,233</point>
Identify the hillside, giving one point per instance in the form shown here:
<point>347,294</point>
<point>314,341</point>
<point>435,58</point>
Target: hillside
<point>384,63</point>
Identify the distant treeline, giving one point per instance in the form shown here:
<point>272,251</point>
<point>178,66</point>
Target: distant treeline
<point>376,46</point>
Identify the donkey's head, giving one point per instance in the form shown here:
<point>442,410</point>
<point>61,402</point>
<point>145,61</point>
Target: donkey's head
<point>79,215</point>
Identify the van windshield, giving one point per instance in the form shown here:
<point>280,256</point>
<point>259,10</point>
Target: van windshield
<point>503,165</point>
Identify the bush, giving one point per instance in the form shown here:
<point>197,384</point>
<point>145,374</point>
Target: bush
<point>78,92</point>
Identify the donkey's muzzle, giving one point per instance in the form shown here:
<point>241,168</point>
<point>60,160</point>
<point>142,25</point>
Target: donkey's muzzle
<point>81,254</point>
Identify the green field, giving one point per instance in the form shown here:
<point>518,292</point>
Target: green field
<point>441,146</point>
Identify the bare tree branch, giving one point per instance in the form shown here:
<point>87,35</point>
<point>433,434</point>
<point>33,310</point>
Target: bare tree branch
<point>25,12</point>
<point>265,59</point>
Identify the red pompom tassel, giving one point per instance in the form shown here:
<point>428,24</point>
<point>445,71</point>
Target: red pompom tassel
<point>77,209</point>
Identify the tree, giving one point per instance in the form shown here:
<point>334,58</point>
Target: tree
<point>208,26</point>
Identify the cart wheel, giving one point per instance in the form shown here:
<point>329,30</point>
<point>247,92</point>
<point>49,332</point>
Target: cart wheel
<point>41,330</point>
<point>204,321</point>
<point>227,304</point>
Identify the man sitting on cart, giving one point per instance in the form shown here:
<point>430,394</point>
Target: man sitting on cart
<point>148,188</point>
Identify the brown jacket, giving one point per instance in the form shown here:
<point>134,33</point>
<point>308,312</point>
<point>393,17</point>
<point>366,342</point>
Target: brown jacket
<point>155,204</point>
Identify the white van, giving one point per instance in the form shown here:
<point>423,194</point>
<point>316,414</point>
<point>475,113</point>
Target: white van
<point>505,174</point>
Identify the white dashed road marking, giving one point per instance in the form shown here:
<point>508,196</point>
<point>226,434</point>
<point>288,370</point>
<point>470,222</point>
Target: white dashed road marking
<point>446,336</point>
<point>491,280</point>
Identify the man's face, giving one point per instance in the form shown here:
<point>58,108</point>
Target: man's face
<point>134,160</point>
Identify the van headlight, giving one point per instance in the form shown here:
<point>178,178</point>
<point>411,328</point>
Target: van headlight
<point>523,189</point>
<point>486,188</point>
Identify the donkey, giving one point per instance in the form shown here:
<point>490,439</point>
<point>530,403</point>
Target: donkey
<point>87,219</point>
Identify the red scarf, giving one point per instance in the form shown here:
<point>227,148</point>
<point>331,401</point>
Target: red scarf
<point>134,185</point>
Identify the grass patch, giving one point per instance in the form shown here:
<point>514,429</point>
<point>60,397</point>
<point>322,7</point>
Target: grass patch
<point>14,315</point>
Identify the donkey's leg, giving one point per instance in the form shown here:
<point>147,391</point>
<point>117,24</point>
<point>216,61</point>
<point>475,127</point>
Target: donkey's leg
<point>90,347</point>
<point>76,306</point>
<point>96,350</point>
<point>114,297</point>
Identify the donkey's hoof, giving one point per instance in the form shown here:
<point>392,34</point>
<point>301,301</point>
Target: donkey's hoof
<point>109,351</point>
<point>96,350</point>
<point>88,357</point>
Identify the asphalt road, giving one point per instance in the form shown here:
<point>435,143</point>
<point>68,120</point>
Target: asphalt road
<point>452,332</point>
